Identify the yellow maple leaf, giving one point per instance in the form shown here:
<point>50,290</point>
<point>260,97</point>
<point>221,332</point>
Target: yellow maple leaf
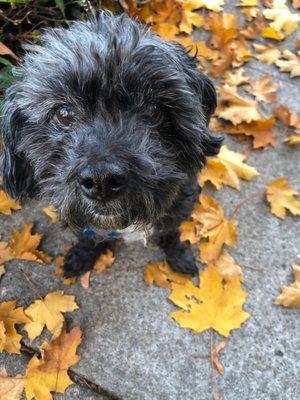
<point>189,18</point>
<point>284,21</point>
<point>5,253</point>
<point>166,31</point>
<point>49,373</point>
<point>289,62</point>
<point>249,8</point>
<point>223,27</point>
<point>24,245</point>
<point>290,295</point>
<point>105,261</point>
<point>2,336</point>
<point>161,274</point>
<point>293,139</point>
<point>227,267</point>
<point>10,316</point>
<point>213,5</point>
<point>211,305</point>
<point>234,107</point>
<point>48,312</point>
<point>226,169</point>
<point>7,204</point>
<point>11,387</point>
<point>215,227</point>
<point>281,197</point>
<point>266,53</point>
<point>286,116</point>
<point>263,89</point>
<point>51,213</point>
<point>190,231</point>
<point>270,33</point>
<point>261,131</point>
<point>235,78</point>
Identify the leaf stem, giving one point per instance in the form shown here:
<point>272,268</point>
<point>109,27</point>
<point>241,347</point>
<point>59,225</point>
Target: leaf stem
<point>245,201</point>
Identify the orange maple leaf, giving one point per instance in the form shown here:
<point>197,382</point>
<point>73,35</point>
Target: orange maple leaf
<point>7,205</point>
<point>215,227</point>
<point>51,368</point>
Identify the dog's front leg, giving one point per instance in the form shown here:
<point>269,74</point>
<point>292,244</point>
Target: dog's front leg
<point>179,255</point>
<point>83,255</point>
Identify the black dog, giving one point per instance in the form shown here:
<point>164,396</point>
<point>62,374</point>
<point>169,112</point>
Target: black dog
<point>109,123</point>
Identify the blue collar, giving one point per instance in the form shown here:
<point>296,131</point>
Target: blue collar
<point>90,233</point>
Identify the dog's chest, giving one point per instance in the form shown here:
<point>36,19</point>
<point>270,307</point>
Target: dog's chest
<point>129,234</point>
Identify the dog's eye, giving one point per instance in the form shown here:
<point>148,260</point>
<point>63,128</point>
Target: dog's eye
<point>153,113</point>
<point>64,115</point>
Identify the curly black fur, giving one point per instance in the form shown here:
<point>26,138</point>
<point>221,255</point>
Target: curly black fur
<point>139,103</point>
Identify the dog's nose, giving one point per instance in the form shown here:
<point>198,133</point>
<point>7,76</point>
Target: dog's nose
<point>106,182</point>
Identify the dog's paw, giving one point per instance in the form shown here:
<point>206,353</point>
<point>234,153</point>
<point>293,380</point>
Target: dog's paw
<point>81,258</point>
<point>183,262</point>
<point>76,264</point>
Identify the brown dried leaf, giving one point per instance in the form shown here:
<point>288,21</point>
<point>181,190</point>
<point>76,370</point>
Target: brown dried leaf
<point>263,89</point>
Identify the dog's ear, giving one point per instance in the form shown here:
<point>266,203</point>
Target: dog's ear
<point>201,85</point>
<point>16,171</point>
<point>202,142</point>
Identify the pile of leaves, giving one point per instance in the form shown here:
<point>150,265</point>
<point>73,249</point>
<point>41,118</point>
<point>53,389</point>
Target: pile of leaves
<point>216,300</point>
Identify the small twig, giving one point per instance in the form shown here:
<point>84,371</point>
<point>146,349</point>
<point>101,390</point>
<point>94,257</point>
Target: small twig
<point>212,365</point>
<point>252,267</point>
<point>245,201</point>
<point>32,284</point>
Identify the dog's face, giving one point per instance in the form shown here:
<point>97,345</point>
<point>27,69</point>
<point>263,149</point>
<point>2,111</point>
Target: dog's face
<point>107,121</point>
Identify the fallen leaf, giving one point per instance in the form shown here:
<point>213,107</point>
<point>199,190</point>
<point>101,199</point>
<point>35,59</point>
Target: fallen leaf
<point>293,139</point>
<point>290,295</point>
<point>213,304</point>
<point>69,281</point>
<point>24,245</point>
<point>11,316</point>
<point>162,275</point>
<point>215,227</point>
<point>284,21</point>
<point>85,280</point>
<point>51,213</point>
<point>215,358</point>
<point>2,338</point>
<point>271,33</point>
<point>287,117</point>
<point>235,108</point>
<point>289,62</point>
<point>105,261</point>
<point>226,169</point>
<point>11,387</point>
<point>263,89</point>
<point>166,31</point>
<point>261,131</point>
<point>266,53</point>
<point>190,232</point>
<point>281,197</point>
<point>235,78</point>
<point>5,51</point>
<point>189,18</point>
<point>227,267</point>
<point>296,3</point>
<point>213,5</point>
<point>51,369</point>
<point>7,205</point>
<point>48,312</point>
<point>223,27</point>
<point>5,253</point>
